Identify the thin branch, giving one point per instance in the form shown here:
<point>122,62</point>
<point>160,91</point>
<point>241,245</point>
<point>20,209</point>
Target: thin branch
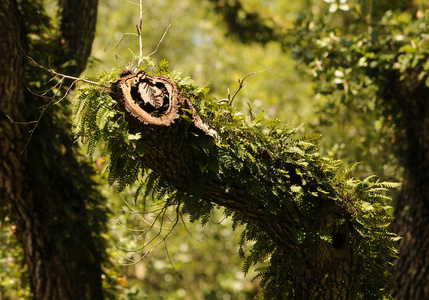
<point>184,225</point>
<point>41,95</point>
<point>57,87</point>
<point>168,255</point>
<point>133,3</point>
<point>162,38</point>
<point>120,41</point>
<point>165,241</point>
<point>138,27</point>
<point>35,126</point>
<point>17,122</point>
<point>129,229</point>
<point>154,247</point>
<point>149,7</point>
<point>51,102</point>
<point>157,235</point>
<point>120,252</point>
<point>66,93</point>
<point>242,84</point>
<point>143,219</point>
<point>159,231</point>
<point>220,222</point>
<point>139,32</point>
<point>63,75</point>
<point>142,212</point>
<point>148,243</point>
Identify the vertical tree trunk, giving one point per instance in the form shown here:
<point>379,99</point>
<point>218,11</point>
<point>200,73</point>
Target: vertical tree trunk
<point>412,207</point>
<point>45,190</point>
<point>411,275</point>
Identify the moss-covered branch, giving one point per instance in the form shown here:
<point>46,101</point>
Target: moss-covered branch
<point>319,233</point>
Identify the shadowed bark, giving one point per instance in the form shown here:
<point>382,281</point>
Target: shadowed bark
<point>45,189</point>
<point>412,206</point>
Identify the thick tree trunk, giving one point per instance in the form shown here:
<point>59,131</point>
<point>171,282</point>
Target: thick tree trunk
<point>78,20</point>
<point>412,207</point>
<point>153,108</point>
<point>411,274</point>
<point>44,189</point>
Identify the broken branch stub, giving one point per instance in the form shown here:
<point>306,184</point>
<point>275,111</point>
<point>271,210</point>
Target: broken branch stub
<point>155,100</point>
<point>153,107</point>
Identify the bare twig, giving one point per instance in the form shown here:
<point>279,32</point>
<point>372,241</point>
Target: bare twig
<point>66,93</point>
<point>120,41</point>
<point>143,235</point>
<point>242,84</point>
<point>35,126</point>
<point>49,70</point>
<point>57,86</point>
<point>162,38</point>
<point>130,229</point>
<point>163,212</point>
<point>168,255</point>
<point>156,245</point>
<point>141,15</point>
<point>220,222</point>
<point>133,3</point>
<point>140,217</point>
<point>142,212</point>
<point>17,122</point>
<point>138,27</point>
<point>121,252</point>
<point>184,225</point>
<point>139,32</point>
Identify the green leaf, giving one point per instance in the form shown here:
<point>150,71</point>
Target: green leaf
<point>366,206</point>
<point>141,147</point>
<point>136,136</point>
<point>187,119</point>
<point>259,117</point>
<point>326,236</point>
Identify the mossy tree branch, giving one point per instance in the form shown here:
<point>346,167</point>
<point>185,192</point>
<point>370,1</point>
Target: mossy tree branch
<point>315,229</point>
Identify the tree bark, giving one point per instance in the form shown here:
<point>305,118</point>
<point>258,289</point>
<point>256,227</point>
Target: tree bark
<point>411,274</point>
<point>45,189</point>
<point>154,107</point>
<point>78,21</point>
<point>412,207</point>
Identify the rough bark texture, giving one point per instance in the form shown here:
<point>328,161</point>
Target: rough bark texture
<point>411,275</point>
<point>331,273</point>
<point>39,188</point>
<point>412,208</point>
<point>78,20</point>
